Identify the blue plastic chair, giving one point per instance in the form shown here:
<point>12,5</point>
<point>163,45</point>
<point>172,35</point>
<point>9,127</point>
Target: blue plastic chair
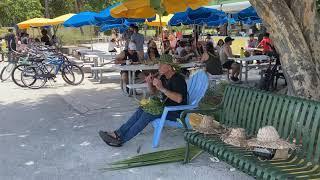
<point>197,87</point>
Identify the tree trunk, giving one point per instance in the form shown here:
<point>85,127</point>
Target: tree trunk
<point>77,6</point>
<point>295,30</point>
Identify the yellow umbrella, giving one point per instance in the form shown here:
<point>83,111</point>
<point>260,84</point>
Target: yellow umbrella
<point>35,22</point>
<point>164,21</point>
<point>149,8</point>
<point>61,19</point>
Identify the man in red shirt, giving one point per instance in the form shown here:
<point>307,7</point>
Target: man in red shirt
<point>265,44</point>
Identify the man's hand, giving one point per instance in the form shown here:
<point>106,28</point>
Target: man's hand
<point>157,83</point>
<point>149,79</point>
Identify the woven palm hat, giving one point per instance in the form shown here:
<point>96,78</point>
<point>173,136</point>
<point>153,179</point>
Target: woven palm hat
<point>208,126</point>
<point>235,137</point>
<point>268,137</point>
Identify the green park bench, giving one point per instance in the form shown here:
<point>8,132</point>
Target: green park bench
<point>295,119</point>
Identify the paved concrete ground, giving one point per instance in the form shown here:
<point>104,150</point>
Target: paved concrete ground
<point>51,133</point>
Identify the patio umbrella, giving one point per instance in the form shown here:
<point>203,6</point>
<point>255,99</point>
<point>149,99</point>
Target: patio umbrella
<point>164,21</point>
<point>107,27</point>
<point>61,19</point>
<point>105,17</point>
<point>149,8</point>
<point>200,16</point>
<point>82,19</point>
<point>247,16</point>
<point>35,22</point>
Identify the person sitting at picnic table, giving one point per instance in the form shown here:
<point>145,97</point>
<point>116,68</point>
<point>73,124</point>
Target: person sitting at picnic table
<point>266,44</point>
<point>152,52</point>
<point>219,45</point>
<point>45,38</point>
<point>173,91</point>
<point>209,39</point>
<point>211,59</point>
<point>127,55</point>
<point>252,42</point>
<point>225,54</point>
<point>179,48</point>
<point>112,46</point>
<point>186,55</point>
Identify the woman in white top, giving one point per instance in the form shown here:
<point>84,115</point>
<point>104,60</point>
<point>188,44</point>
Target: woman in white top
<point>112,46</point>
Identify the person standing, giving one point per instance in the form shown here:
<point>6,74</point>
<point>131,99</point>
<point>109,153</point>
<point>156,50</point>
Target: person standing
<point>11,40</point>
<point>173,40</point>
<point>127,36</point>
<point>11,43</point>
<point>138,39</point>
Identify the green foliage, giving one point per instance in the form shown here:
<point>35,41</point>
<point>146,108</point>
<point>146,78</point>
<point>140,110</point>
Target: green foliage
<point>15,11</point>
<point>213,95</point>
<point>318,5</point>
<point>155,158</point>
<point>153,106</point>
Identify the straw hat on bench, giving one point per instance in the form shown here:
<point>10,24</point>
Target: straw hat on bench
<point>235,137</point>
<point>208,126</point>
<point>268,137</point>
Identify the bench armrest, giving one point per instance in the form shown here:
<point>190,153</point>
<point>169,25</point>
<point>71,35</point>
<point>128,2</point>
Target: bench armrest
<point>179,108</point>
<point>184,114</point>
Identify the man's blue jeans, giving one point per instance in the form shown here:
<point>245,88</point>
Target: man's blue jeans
<point>138,121</point>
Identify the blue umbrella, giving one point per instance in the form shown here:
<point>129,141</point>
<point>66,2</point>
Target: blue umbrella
<point>107,27</point>
<point>247,16</point>
<point>200,16</point>
<point>82,19</point>
<point>178,19</point>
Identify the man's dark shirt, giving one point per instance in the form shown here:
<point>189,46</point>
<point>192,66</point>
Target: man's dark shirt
<point>175,84</point>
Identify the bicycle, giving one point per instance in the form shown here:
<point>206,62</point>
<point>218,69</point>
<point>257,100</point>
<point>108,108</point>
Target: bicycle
<point>42,71</point>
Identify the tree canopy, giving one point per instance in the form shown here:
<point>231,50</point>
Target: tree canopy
<point>15,11</point>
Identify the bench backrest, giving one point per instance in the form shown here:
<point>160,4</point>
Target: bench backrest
<point>197,87</point>
<point>294,118</point>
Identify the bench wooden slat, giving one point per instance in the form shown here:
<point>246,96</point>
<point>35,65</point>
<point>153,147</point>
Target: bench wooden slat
<point>315,129</point>
<point>255,118</point>
<point>302,121</point>
<point>285,112</point>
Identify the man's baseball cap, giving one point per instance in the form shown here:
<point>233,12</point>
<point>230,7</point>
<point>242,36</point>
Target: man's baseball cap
<point>228,39</point>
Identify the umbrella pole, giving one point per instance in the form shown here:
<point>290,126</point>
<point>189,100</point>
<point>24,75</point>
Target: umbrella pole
<point>91,38</point>
<point>161,32</point>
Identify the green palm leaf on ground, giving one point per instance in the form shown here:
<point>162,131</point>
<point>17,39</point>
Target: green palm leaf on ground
<point>155,158</point>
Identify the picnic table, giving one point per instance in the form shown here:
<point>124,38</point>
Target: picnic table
<point>244,63</point>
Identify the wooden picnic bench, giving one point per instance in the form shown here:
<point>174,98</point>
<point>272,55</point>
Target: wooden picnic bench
<point>296,119</point>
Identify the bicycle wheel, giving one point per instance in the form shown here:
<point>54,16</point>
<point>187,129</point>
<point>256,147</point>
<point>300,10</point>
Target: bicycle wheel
<point>7,71</point>
<point>72,74</point>
<point>16,75</point>
<point>33,77</point>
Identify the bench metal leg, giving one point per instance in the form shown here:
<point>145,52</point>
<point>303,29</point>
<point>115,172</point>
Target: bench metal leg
<point>100,80</point>
<point>187,154</point>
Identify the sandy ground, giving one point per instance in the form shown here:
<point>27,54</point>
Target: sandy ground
<point>51,134</point>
